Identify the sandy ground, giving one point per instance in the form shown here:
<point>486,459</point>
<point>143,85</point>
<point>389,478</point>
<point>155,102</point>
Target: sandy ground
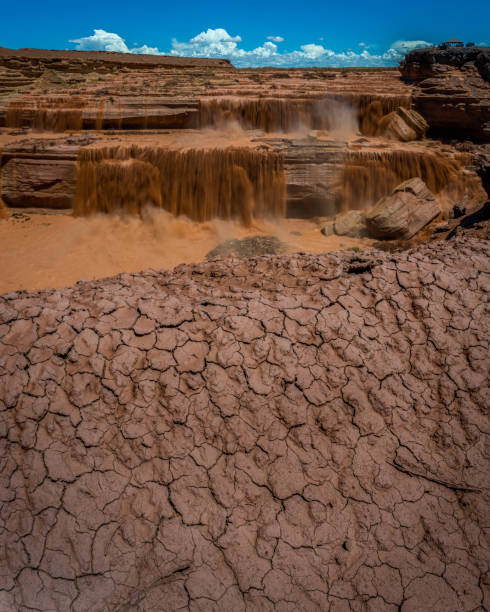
<point>56,250</point>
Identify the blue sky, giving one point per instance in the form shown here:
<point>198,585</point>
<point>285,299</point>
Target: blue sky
<point>314,33</point>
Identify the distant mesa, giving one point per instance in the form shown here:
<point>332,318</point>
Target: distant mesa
<point>114,57</point>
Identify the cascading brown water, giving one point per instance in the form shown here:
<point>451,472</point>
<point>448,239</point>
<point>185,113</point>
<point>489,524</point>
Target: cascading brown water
<point>202,184</point>
<point>368,176</point>
<point>3,207</point>
<point>46,114</point>
<point>287,114</point>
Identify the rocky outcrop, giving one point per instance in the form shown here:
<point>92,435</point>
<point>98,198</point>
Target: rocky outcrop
<point>420,64</point>
<point>405,212</point>
<point>295,432</point>
<point>40,173</point>
<point>130,91</point>
<point>481,161</point>
<point>453,90</point>
<point>478,220</point>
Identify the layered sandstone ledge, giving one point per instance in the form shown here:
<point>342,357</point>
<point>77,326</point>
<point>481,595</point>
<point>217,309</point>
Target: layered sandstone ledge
<point>280,433</point>
<point>452,90</point>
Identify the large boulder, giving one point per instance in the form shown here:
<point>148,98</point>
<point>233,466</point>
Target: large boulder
<point>414,120</point>
<point>399,216</point>
<point>403,124</point>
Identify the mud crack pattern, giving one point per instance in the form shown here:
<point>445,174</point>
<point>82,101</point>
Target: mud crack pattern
<point>301,432</point>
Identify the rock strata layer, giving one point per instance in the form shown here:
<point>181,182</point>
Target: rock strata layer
<point>280,433</point>
<point>453,90</point>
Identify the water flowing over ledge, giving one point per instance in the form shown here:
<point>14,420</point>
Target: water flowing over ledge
<point>228,183</point>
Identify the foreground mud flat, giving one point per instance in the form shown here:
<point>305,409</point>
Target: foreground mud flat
<point>278,433</point>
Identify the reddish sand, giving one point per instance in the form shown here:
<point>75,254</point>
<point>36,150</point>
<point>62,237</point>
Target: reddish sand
<point>56,250</point>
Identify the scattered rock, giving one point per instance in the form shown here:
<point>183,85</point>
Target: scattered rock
<point>358,265</point>
<point>405,212</point>
<point>248,247</point>
<point>327,229</point>
<point>352,223</point>
<point>17,216</point>
<point>473,220</point>
<point>458,211</point>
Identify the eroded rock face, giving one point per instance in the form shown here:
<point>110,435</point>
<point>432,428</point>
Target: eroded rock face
<point>405,212</point>
<point>40,172</point>
<point>453,90</point>
<point>280,433</point>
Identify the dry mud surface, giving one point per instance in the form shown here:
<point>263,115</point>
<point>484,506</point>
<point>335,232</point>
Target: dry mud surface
<point>300,432</point>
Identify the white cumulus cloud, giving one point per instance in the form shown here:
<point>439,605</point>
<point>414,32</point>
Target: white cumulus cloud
<point>404,46</point>
<point>108,41</point>
<point>218,43</point>
<point>101,41</point>
<point>145,50</point>
<point>215,36</point>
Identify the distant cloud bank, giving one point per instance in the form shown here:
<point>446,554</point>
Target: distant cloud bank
<point>218,43</point>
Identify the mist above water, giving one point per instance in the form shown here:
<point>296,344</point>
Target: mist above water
<point>340,117</point>
<point>335,116</point>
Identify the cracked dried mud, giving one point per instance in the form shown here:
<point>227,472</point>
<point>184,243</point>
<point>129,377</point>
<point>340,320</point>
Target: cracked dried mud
<point>295,432</point>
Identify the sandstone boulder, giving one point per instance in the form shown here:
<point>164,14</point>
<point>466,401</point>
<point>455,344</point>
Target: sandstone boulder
<point>352,223</point>
<point>414,120</point>
<point>402,214</point>
<point>403,124</point>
